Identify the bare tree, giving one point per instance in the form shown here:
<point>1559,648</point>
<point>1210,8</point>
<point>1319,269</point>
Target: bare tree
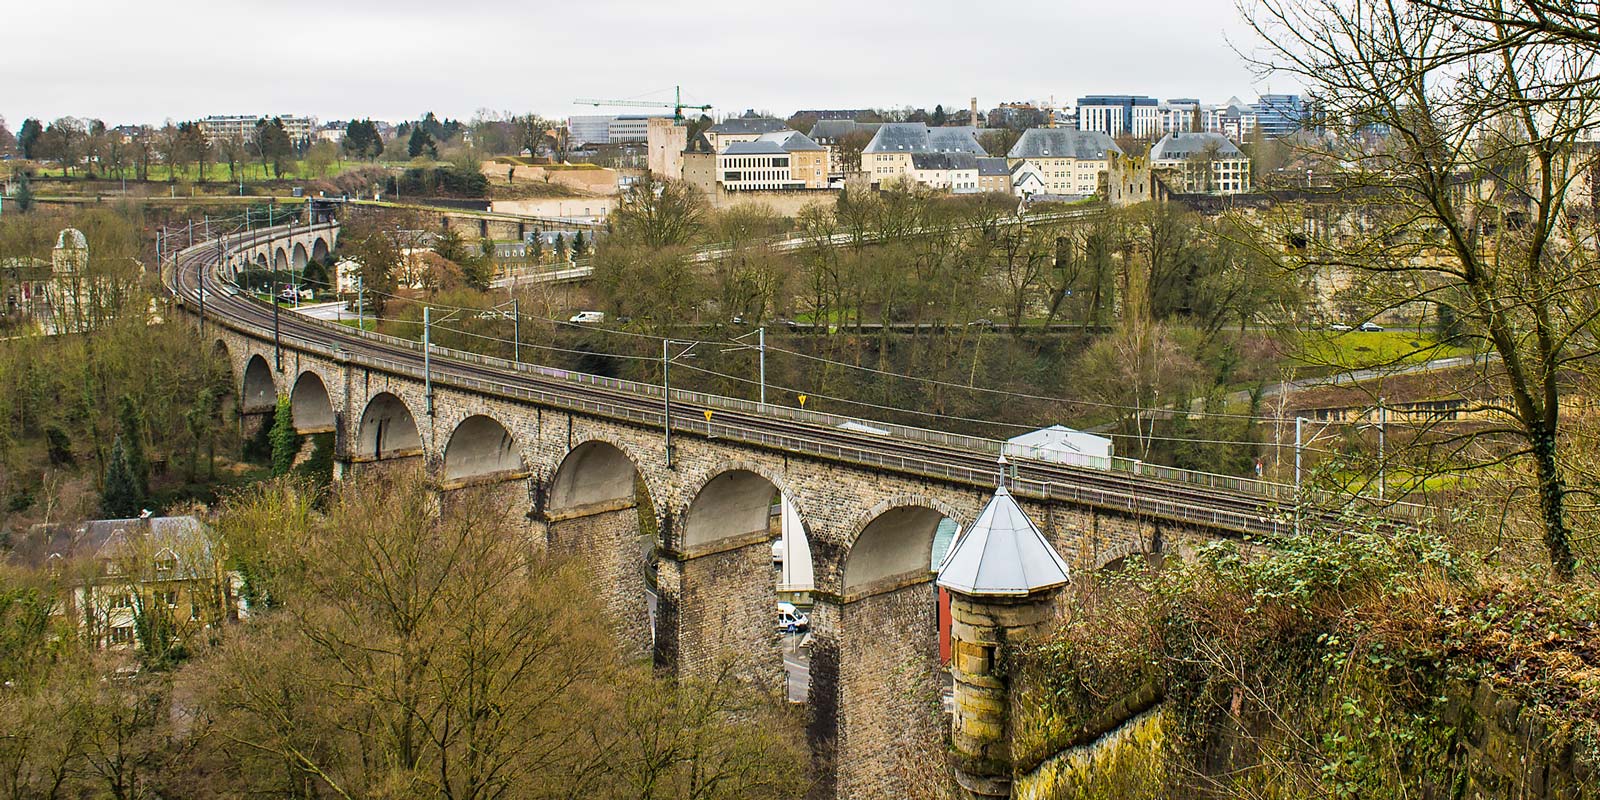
<point>1462,135</point>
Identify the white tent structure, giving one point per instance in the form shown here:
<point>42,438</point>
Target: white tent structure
<point>1062,445</point>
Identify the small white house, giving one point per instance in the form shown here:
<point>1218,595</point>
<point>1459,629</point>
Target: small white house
<point>1062,445</point>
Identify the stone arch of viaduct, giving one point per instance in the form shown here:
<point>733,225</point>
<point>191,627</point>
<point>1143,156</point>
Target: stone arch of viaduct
<point>574,481</point>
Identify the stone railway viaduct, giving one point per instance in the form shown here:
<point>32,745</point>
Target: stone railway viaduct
<point>575,472</point>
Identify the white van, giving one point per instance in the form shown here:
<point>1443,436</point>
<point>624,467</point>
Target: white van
<point>588,317</point>
<point>791,618</point>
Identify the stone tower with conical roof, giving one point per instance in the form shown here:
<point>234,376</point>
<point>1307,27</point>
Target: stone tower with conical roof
<point>1003,576</point>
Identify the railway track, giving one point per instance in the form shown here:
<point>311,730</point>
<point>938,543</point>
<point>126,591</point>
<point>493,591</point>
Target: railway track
<point>962,460</point>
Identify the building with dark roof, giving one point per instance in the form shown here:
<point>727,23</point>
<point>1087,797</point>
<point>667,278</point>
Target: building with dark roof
<point>1067,162</point>
<point>113,572</point>
<point>994,175</point>
<point>829,132</point>
<point>742,129</point>
<point>1201,163</point>
<point>700,164</point>
<point>953,172</point>
<point>888,155</point>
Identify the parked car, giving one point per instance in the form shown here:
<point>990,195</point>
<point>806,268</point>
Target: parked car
<point>986,324</point>
<point>587,317</point>
<point>791,618</point>
<point>1339,327</point>
<point>288,295</point>
<point>1371,327</point>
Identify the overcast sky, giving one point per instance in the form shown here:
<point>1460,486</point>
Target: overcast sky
<point>128,61</point>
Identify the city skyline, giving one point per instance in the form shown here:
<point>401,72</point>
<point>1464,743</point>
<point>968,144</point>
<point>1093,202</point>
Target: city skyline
<point>374,66</point>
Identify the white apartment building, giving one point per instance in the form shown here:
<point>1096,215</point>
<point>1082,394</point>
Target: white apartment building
<point>1067,162</point>
<point>244,127</point>
<point>1203,163</point>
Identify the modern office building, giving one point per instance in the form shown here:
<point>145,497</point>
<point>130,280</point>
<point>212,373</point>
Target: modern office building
<point>1279,115</point>
<point>1115,115</point>
<point>631,128</point>
<point>589,129</point>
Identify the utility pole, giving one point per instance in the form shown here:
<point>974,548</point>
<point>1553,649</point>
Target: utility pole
<point>361,305</point>
<point>427,363</point>
<point>516,332</point>
<point>761,347</point>
<point>1297,446</point>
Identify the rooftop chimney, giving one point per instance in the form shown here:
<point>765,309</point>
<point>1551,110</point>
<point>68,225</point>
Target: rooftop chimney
<point>974,112</point>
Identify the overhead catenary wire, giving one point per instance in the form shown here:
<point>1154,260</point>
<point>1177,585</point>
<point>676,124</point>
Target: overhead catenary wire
<point>1009,393</point>
<point>952,417</point>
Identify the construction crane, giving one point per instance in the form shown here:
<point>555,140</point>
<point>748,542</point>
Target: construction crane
<point>677,105</point>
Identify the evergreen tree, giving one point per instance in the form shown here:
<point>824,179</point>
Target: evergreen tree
<point>536,249</point>
<point>361,139</point>
<point>121,497</point>
<point>24,196</point>
<point>28,137</point>
<point>561,247</point>
<point>130,428</point>
<point>579,246</point>
<point>421,143</point>
<point>284,440</point>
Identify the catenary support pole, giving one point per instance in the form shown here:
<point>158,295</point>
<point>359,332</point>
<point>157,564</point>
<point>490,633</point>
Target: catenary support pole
<point>427,363</point>
<point>666,397</point>
<point>1383,422</point>
<point>277,340</point>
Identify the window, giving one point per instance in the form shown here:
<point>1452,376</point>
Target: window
<point>122,601</point>
<point>122,634</point>
<point>170,597</point>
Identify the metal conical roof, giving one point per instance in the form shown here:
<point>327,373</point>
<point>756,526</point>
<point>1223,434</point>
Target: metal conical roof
<point>1002,554</point>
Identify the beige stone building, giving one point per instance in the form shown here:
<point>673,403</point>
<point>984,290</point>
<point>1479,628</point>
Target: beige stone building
<point>1202,163</point>
<point>700,165</point>
<point>1068,162</point>
<point>994,175</point>
<point>888,156</point>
